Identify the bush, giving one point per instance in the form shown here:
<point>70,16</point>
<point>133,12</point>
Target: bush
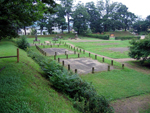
<point>23,43</point>
<point>139,49</point>
<point>127,38</point>
<point>105,37</point>
<point>82,92</point>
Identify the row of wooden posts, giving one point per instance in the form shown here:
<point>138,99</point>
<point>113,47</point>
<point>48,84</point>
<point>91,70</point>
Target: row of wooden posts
<point>43,52</point>
<point>13,56</point>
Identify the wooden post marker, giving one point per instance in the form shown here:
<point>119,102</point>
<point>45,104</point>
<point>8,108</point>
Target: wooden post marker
<point>17,55</point>
<point>66,56</point>
<point>80,50</point>
<point>78,55</point>
<point>54,57</point>
<point>103,59</point>
<point>83,51</point>
<point>58,60</point>
<point>63,63</point>
<point>65,52</point>
<point>89,54</point>
<point>51,46</point>
<point>95,56</point>
<point>92,69</point>
<point>55,53</point>
<point>68,67</point>
<point>108,67</point>
<point>112,62</point>
<point>122,66</point>
<point>75,70</point>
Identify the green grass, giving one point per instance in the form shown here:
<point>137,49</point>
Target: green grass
<point>22,87</point>
<point>98,48</point>
<point>117,84</point>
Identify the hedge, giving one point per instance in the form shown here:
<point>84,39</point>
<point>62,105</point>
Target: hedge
<point>127,38</point>
<point>83,93</point>
<point>104,37</point>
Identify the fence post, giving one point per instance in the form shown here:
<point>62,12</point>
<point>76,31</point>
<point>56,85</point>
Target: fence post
<point>108,67</point>
<point>78,55</point>
<point>55,53</point>
<point>63,63</point>
<point>58,60</point>
<point>89,54</point>
<point>92,69</point>
<point>17,54</point>
<point>75,70</point>
<point>122,66</point>
<point>66,56</point>
<point>103,59</point>
<point>80,50</point>
<point>54,57</point>
<point>65,52</point>
<point>112,62</point>
<point>68,67</point>
<point>95,56</point>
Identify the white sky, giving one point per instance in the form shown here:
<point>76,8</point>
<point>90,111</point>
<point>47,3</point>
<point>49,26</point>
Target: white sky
<point>138,7</point>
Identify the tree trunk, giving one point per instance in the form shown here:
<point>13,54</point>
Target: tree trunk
<point>24,30</point>
<point>68,23</point>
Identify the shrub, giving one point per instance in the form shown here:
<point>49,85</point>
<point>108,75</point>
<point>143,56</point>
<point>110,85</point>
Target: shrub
<point>23,43</point>
<point>105,37</point>
<point>127,38</point>
<point>139,49</point>
<point>82,92</point>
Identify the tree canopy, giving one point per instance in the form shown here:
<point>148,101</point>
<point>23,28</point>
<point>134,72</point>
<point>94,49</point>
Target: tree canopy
<point>15,14</point>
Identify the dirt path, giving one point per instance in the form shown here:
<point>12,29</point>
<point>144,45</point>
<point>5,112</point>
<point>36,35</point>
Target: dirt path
<point>132,104</point>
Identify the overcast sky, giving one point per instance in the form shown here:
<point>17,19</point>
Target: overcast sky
<point>138,7</point>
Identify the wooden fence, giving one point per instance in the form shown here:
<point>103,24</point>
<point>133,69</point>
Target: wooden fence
<point>43,52</point>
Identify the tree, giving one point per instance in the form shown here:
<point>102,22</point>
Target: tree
<point>139,49</point>
<point>67,6</point>
<point>42,23</point>
<point>15,14</point>
<point>80,18</point>
<point>95,21</point>
<point>50,24</point>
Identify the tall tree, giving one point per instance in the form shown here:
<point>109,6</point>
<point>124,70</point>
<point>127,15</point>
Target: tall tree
<point>17,13</point>
<point>67,6</point>
<point>80,18</point>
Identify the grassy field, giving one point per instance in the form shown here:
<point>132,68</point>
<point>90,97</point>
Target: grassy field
<point>23,89</point>
<point>116,84</point>
<point>102,47</point>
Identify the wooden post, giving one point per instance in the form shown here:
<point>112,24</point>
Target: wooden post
<point>74,52</point>
<point>122,66</point>
<point>80,50</point>
<point>63,63</point>
<point>54,57</point>
<point>78,55</point>
<point>103,59</point>
<point>58,45</point>
<point>58,60</point>
<point>75,70</point>
<point>112,62</point>
<point>17,55</point>
<point>68,67</point>
<point>108,67</point>
<point>55,53</point>
<point>95,56</point>
<point>83,51</point>
<point>92,69</point>
<point>89,54</point>
<point>65,52</point>
<point>66,56</point>
<point>51,46</point>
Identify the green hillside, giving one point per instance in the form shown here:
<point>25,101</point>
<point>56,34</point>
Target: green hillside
<point>22,87</point>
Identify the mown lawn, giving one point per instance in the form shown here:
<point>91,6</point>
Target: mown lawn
<point>23,89</point>
<point>102,47</point>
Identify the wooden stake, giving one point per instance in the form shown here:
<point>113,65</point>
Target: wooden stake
<point>108,67</point>
<point>112,62</point>
<point>75,70</point>
<point>95,56</point>
<point>92,69</point>
<point>63,63</point>
<point>103,59</point>
<point>89,54</point>
<point>78,55</point>
<point>122,66</point>
<point>58,60</point>
<point>68,67</point>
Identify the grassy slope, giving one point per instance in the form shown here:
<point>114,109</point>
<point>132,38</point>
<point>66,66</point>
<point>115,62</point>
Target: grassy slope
<point>23,89</point>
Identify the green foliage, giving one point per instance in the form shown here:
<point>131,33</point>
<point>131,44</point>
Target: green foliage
<point>105,37</point>
<point>23,43</point>
<point>127,37</point>
<point>139,49</point>
<point>72,85</point>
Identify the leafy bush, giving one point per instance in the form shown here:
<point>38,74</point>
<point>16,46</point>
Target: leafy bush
<point>139,49</point>
<point>105,37</point>
<point>127,38</point>
<point>84,94</point>
<point>23,43</point>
